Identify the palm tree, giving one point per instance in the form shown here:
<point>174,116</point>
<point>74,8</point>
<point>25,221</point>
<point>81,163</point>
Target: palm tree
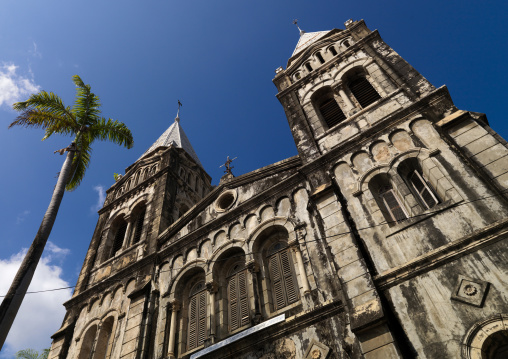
<point>32,354</point>
<point>47,111</point>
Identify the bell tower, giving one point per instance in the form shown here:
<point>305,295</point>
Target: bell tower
<point>339,83</point>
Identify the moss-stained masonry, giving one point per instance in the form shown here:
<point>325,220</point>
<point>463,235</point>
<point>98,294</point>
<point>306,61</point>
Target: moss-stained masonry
<point>384,238</point>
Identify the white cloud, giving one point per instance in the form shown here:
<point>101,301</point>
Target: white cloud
<point>34,51</point>
<point>41,314</point>
<point>14,87</point>
<point>22,216</point>
<point>100,200</point>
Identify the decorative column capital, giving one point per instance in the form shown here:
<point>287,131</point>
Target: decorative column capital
<point>212,286</point>
<point>175,306</point>
<point>252,266</point>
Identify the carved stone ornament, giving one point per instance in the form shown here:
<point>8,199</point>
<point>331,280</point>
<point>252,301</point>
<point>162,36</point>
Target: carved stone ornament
<point>470,291</point>
<point>212,286</point>
<point>317,350</point>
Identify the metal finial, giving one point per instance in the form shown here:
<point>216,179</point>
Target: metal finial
<point>228,166</point>
<point>295,22</point>
<point>178,112</point>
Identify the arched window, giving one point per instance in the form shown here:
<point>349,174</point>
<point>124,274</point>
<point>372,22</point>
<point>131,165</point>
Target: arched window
<point>119,237</point>
<point>328,108</point>
<point>308,67</point>
<point>332,50</point>
<point>282,276</point>
<point>138,225</point>
<point>387,199</point>
<point>320,58</point>
<point>363,91</point>
<point>197,316</point>
<point>87,342</point>
<point>104,339</point>
<point>410,170</point>
<point>238,297</point>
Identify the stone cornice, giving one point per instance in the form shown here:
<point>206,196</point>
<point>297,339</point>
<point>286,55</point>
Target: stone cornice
<point>442,255</point>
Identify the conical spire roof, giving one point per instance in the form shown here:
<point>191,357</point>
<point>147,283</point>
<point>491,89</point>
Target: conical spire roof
<point>175,136</point>
<point>307,38</point>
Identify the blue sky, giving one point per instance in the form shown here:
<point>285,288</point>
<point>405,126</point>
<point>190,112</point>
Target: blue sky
<point>218,58</point>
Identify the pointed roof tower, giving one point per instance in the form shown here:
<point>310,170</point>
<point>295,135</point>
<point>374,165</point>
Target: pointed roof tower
<point>307,38</point>
<point>175,136</point>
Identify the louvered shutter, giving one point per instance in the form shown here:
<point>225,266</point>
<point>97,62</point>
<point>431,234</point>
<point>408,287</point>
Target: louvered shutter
<point>193,322</point>
<point>202,318</point>
<point>363,91</point>
<point>423,190</point>
<point>393,206</point>
<point>290,285</point>
<point>119,236</point>
<point>285,288</point>
<point>331,112</point>
<point>244,298</point>
<point>139,227</point>
<point>233,304</point>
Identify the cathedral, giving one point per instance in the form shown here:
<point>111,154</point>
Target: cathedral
<point>385,237</point>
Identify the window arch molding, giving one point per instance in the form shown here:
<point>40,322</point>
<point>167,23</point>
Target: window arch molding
<point>477,336</point>
<point>254,238</point>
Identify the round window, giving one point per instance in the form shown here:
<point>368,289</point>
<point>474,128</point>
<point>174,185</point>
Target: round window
<point>225,201</point>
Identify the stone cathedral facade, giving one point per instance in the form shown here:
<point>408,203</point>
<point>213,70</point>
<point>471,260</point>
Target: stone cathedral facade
<point>385,237</point>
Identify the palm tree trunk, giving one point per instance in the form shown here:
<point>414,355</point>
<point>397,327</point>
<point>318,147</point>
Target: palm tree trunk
<point>12,301</point>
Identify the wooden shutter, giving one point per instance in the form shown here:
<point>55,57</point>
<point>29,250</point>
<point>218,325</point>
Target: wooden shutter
<point>394,206</point>
<point>119,236</point>
<point>363,91</point>
<point>331,112</point>
<point>197,320</point>
<point>422,189</point>
<point>285,289</point>
<point>238,301</point>
<point>193,322</point>
<point>139,227</point>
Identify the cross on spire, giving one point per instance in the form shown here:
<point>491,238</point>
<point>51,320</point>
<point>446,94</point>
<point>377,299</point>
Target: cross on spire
<point>295,22</point>
<point>178,112</point>
<point>228,166</point>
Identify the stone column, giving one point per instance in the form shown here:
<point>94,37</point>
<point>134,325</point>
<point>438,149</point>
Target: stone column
<point>128,231</point>
<point>339,88</point>
<point>253,268</point>
<point>212,287</point>
<point>299,262</point>
<point>175,307</point>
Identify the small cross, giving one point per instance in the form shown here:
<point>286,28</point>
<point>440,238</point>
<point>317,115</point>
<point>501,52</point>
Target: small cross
<point>228,166</point>
<point>179,105</point>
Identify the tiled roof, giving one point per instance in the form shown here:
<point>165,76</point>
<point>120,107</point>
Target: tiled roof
<point>307,38</point>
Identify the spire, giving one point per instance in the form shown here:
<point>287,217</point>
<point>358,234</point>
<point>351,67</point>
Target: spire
<point>175,136</point>
<point>306,38</point>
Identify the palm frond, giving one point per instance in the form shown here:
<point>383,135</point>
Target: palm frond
<point>87,104</point>
<point>27,354</point>
<point>34,118</point>
<point>47,102</point>
<point>112,130</point>
<point>81,161</point>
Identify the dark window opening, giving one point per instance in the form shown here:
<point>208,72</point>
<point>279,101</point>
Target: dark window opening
<point>363,91</point>
<point>320,58</point>
<point>197,317</point>
<point>308,67</point>
<point>298,76</point>
<point>139,227</point>
<point>422,190</point>
<point>119,236</point>
<point>346,43</point>
<point>331,112</point>
<point>393,205</point>
<point>333,51</point>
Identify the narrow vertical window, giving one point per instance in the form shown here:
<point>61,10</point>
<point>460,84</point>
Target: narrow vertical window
<point>119,237</point>
<point>197,316</point>
<point>333,51</point>
<point>284,286</point>
<point>238,298</point>
<point>346,43</point>
<point>393,205</point>
<point>422,190</point>
<point>320,58</point>
<point>331,112</point>
<point>139,226</point>
<point>363,91</point>
<point>308,67</point>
